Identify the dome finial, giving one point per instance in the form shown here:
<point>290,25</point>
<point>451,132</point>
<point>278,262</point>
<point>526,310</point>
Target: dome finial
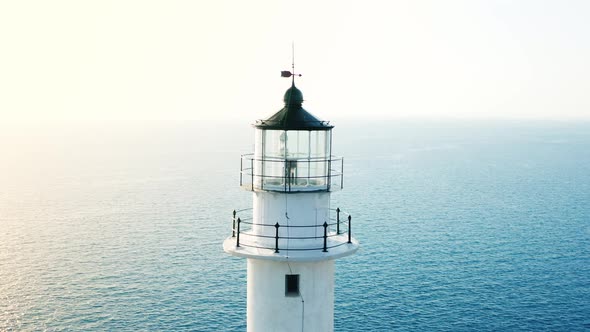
<point>286,73</point>
<point>293,62</point>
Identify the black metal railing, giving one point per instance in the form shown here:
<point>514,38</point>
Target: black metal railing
<point>291,174</point>
<point>339,224</point>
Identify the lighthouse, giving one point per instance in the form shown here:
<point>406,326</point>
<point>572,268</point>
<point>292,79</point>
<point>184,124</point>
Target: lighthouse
<point>292,235</point>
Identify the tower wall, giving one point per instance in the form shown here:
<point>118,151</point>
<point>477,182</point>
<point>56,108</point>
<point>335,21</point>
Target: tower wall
<point>269,309</point>
<point>296,209</point>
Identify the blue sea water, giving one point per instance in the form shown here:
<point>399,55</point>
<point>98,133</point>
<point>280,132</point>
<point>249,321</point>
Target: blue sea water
<point>464,226</point>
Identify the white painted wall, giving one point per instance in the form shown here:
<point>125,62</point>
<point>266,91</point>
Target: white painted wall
<point>296,209</point>
<point>270,310</point>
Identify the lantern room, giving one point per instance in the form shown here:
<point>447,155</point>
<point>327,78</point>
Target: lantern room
<point>292,152</point>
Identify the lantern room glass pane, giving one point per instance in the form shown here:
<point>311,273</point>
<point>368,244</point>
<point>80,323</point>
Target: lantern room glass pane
<point>273,143</point>
<point>319,144</point>
<point>297,144</point>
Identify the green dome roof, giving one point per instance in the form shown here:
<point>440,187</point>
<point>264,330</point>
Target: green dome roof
<point>293,116</point>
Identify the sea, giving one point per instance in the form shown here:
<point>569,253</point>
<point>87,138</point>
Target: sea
<point>464,225</point>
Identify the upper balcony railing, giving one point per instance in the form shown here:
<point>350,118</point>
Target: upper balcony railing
<point>291,174</point>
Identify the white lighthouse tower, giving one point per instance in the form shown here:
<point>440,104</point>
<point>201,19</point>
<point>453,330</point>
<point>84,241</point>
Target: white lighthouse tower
<point>292,235</point>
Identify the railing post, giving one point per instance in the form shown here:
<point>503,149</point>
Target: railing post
<point>277,237</point>
<point>338,221</point>
<point>233,227</point>
<point>341,173</point>
<point>238,235</point>
<point>325,237</point>
<point>329,180</point>
<point>349,228</point>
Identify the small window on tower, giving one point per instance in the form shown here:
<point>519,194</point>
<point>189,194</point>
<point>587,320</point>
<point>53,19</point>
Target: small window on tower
<point>291,285</point>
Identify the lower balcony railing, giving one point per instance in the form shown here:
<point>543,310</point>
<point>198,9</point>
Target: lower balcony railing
<point>274,237</point>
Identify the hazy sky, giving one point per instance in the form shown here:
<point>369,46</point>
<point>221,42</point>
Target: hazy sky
<point>155,60</point>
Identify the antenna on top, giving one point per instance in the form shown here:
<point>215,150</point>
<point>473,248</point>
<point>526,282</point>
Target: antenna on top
<point>286,73</point>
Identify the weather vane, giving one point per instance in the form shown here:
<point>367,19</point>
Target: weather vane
<point>286,73</point>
